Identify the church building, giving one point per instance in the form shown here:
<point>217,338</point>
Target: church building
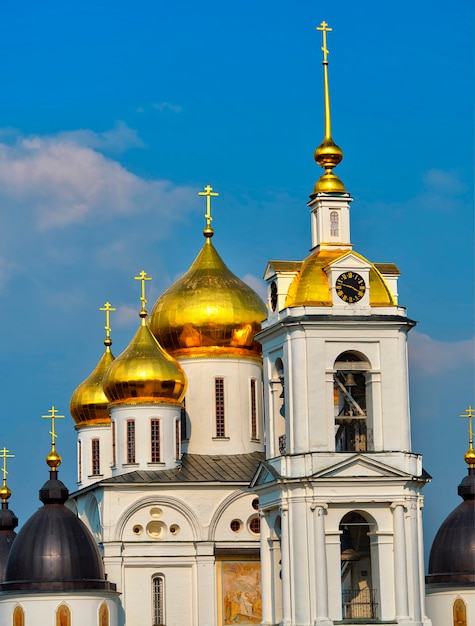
<point>243,462</point>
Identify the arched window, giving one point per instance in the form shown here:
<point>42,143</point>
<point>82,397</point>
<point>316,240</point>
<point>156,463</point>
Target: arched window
<point>103,615</point>
<point>63,615</point>
<point>18,616</point>
<point>349,393</point>
<point>155,441</point>
<point>254,433</point>
<point>460,612</point>
<point>96,457</point>
<point>158,600</point>
<point>334,224</point>
<point>359,597</point>
<point>130,441</point>
<point>219,405</point>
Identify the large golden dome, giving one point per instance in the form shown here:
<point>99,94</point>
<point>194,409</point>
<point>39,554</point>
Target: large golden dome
<point>88,404</point>
<point>311,287</point>
<point>208,311</point>
<point>144,373</point>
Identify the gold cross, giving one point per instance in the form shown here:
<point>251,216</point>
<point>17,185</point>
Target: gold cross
<point>52,417</point>
<point>470,413</point>
<point>143,277</point>
<point>5,455</point>
<point>324,28</point>
<point>107,308</point>
<point>208,192</point>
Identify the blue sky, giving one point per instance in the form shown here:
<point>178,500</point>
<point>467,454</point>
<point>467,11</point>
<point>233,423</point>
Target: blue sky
<point>114,115</point>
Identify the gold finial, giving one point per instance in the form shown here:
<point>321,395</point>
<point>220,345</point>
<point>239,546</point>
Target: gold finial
<point>143,277</point>
<point>5,492</point>
<point>328,154</point>
<point>107,308</point>
<point>53,459</point>
<point>208,192</point>
<point>470,454</point>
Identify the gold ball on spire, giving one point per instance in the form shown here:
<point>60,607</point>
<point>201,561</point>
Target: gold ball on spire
<point>470,457</point>
<point>5,492</point>
<point>53,459</point>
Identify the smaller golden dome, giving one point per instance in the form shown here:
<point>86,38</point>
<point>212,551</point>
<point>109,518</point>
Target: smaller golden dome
<point>5,492</point>
<point>89,404</point>
<point>311,287</point>
<point>144,373</point>
<point>53,460</point>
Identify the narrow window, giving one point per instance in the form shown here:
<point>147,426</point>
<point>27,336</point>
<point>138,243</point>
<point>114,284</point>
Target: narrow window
<point>18,616</point>
<point>130,441</point>
<point>334,224</point>
<point>219,398</point>
<point>177,440</point>
<point>113,444</point>
<point>183,420</point>
<point>253,409</point>
<point>158,600</point>
<point>79,461</point>
<point>63,616</point>
<point>104,615</point>
<point>155,440</point>
<point>96,457</point>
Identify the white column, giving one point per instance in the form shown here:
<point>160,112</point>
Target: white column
<point>296,394</point>
<point>206,584</point>
<point>266,570</point>
<point>415,564</point>
<point>321,576</point>
<point>300,588</point>
<point>400,569</point>
<point>286,603</point>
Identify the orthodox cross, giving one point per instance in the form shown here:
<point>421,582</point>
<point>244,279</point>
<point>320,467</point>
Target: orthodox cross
<point>324,28</point>
<point>107,308</point>
<point>54,416</point>
<point>143,277</point>
<point>469,414</point>
<point>208,192</point>
<point>4,454</point>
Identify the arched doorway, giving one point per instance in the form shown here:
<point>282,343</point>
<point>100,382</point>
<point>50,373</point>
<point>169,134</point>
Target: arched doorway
<point>359,597</point>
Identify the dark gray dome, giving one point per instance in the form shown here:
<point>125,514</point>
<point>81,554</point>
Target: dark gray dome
<point>452,556</point>
<point>8,522</point>
<point>54,551</point>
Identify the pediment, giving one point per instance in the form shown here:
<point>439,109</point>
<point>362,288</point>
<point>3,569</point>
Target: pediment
<point>350,261</point>
<point>265,474</point>
<point>359,466</point>
<point>275,268</point>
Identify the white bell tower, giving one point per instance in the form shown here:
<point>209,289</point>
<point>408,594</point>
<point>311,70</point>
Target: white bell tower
<point>340,490</point>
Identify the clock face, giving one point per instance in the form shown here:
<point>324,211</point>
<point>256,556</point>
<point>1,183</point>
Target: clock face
<point>350,287</point>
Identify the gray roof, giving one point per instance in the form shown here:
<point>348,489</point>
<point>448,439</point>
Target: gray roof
<point>198,468</point>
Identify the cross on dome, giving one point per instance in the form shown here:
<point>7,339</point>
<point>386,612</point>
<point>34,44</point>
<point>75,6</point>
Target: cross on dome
<point>208,192</point>
<point>143,277</point>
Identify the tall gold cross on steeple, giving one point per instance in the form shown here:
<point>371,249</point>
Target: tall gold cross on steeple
<point>208,192</point>
<point>5,454</point>
<point>107,308</point>
<point>470,413</point>
<point>143,277</point>
<point>324,28</point>
<point>53,416</point>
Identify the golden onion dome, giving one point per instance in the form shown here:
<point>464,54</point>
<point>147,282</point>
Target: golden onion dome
<point>89,404</point>
<point>208,311</point>
<point>144,373</point>
<point>311,287</point>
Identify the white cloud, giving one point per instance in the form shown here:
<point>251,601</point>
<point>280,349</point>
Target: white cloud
<point>257,284</point>
<point>167,106</point>
<point>115,141</point>
<point>429,356</point>
<point>62,180</point>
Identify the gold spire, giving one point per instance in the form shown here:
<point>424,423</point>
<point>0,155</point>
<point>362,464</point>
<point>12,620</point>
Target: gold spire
<point>328,154</point>
<point>470,454</point>
<point>107,308</point>
<point>89,404</point>
<point>53,459</point>
<point>5,492</point>
<point>208,232</point>
<point>143,277</point>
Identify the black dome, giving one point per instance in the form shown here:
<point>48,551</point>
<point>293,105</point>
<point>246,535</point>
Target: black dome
<point>452,556</point>
<point>8,522</point>
<point>54,551</point>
